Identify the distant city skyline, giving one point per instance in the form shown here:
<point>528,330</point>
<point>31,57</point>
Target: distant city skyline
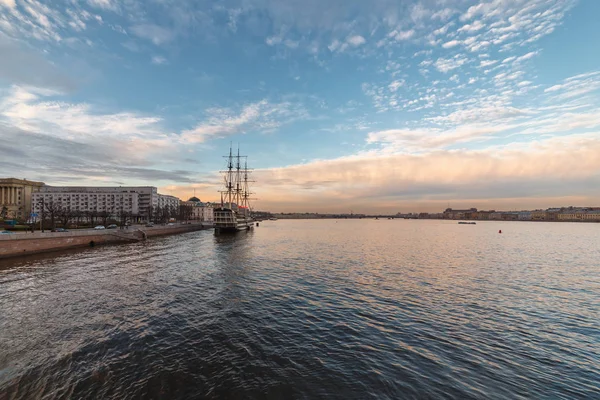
<point>372,107</point>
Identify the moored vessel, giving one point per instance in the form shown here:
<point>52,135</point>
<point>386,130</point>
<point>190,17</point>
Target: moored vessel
<point>234,214</point>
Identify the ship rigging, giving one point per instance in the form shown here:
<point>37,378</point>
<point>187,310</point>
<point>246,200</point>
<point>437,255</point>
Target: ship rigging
<point>234,213</point>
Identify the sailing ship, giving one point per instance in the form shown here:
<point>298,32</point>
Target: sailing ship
<point>234,213</point>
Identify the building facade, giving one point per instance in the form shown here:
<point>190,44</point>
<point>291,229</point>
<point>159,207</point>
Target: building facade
<point>165,200</point>
<point>576,215</point>
<point>200,211</point>
<point>136,201</point>
<point>15,197</point>
<point>113,203</point>
<point>525,216</point>
<point>471,213</point>
<point>539,215</point>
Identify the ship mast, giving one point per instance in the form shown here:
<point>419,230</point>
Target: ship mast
<point>230,178</point>
<point>237,189</point>
<point>246,190</point>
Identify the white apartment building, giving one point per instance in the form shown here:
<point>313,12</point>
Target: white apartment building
<point>164,200</point>
<point>136,200</point>
<point>76,201</point>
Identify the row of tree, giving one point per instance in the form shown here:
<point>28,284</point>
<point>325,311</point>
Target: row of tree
<point>165,213</point>
<point>55,212</point>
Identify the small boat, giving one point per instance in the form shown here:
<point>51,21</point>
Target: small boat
<point>466,223</point>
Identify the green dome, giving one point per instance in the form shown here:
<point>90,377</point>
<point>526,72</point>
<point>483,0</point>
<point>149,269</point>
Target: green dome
<point>195,199</point>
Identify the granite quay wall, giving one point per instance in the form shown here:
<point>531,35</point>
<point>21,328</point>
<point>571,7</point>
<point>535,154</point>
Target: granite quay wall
<point>15,245</point>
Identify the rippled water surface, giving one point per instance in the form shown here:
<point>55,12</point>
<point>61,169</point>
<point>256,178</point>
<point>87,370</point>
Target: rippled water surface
<point>307,309</point>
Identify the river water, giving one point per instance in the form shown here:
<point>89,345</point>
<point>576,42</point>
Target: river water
<point>349,309</point>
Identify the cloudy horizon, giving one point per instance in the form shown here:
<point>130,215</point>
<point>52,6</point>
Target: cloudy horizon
<point>380,106</point>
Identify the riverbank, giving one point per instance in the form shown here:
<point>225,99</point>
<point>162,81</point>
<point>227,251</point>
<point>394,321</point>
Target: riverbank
<point>15,245</point>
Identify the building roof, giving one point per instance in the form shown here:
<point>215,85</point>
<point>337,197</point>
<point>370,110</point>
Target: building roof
<point>15,181</point>
<point>194,199</point>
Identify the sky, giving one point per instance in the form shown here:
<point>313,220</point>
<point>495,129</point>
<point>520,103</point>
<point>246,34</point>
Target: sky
<point>340,105</point>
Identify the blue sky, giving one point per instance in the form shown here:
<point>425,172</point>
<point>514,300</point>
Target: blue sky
<point>363,105</point>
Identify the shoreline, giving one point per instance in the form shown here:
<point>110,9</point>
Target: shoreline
<point>23,244</point>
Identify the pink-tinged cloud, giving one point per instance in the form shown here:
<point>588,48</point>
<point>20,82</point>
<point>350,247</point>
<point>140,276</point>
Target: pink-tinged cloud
<point>548,169</point>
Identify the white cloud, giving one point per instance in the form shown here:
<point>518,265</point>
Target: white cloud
<point>443,14</point>
<point>26,108</point>
<point>292,44</point>
<point>8,3</point>
<point>411,140</point>
<point>159,60</point>
<point>448,64</point>
<point>443,30</point>
<point>40,112</point>
<point>540,169</point>
<point>261,116</point>
<point>274,40</point>
<point>470,28</point>
<point>576,86</point>
<point>156,34</point>
<point>356,40</point>
<point>451,44</point>
<point>104,4</point>
<point>403,35</point>
<point>487,63</point>
<point>334,45</point>
<point>350,42</point>
<point>395,85</point>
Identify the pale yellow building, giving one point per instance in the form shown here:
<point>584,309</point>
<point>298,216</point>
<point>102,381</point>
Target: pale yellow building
<point>580,215</point>
<point>566,216</point>
<point>15,197</point>
<point>200,211</point>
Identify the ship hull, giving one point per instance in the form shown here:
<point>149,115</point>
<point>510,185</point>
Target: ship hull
<point>229,221</point>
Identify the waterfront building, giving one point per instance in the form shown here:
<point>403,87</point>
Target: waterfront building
<point>495,216</point>
<point>449,213</point>
<point>484,215</point>
<point>592,215</point>
<point>165,200</point>
<point>138,201</point>
<point>525,216</point>
<point>572,214</point>
<point>84,202</point>
<point>539,215</point>
<point>15,197</point>
<point>510,216</point>
<point>200,211</point>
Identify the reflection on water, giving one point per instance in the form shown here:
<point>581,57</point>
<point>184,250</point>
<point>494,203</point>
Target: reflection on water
<point>304,309</point>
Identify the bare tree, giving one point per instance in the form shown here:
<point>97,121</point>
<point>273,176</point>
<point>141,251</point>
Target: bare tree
<point>123,217</point>
<point>185,212</point>
<point>92,215</point>
<point>53,209</point>
<point>77,216</point>
<point>150,212</point>
<point>104,215</point>
<point>65,216</point>
<point>42,206</point>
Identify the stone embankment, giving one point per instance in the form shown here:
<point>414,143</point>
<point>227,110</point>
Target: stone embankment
<point>19,244</point>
